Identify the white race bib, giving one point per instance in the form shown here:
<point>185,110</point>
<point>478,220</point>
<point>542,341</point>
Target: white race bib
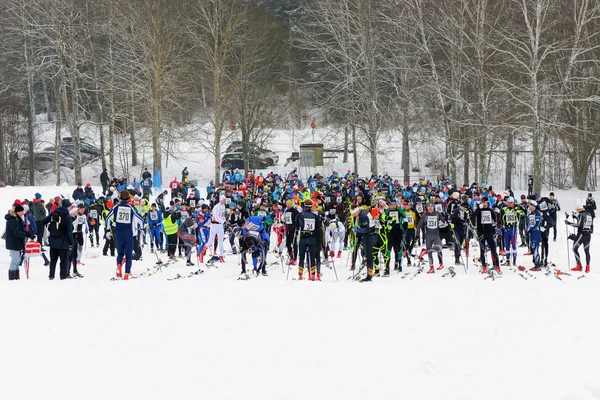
<point>438,207</point>
<point>531,219</point>
<point>432,222</point>
<point>588,222</point>
<point>94,214</point>
<point>339,199</point>
<point>184,214</point>
<point>80,219</point>
<point>510,217</point>
<point>410,219</point>
<point>486,217</point>
<point>153,215</point>
<point>261,213</point>
<point>309,225</point>
<point>192,203</point>
<point>123,215</point>
<point>394,215</point>
<point>287,218</point>
<point>543,206</point>
<point>419,208</point>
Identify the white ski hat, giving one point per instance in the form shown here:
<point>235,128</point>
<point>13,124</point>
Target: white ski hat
<point>511,199</point>
<point>222,197</point>
<point>533,203</point>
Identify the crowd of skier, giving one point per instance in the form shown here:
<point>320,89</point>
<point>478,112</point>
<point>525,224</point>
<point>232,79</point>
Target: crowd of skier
<point>387,223</point>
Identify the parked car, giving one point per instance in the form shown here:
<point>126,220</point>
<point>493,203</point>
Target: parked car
<point>232,161</point>
<point>44,160</point>
<point>270,157</point>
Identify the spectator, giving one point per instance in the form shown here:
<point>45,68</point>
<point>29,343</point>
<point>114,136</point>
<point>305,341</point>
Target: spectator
<point>15,239</point>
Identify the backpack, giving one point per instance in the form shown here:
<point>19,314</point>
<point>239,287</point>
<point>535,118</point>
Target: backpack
<point>57,227</point>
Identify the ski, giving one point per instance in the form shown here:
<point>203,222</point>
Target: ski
<point>190,275</point>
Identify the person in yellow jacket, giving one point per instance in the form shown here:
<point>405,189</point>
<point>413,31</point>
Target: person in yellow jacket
<point>171,225</point>
<point>410,232</point>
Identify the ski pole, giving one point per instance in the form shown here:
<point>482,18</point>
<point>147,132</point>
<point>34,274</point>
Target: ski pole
<point>567,241</point>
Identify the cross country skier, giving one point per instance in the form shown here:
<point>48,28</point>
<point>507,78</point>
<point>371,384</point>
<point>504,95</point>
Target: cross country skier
<point>335,233</point>
<point>257,240</point>
<point>459,220</point>
<point>291,242</point>
<point>485,219</point>
<point>155,222</point>
<point>187,234</point>
<point>511,216</point>
<point>429,224</point>
<point>219,213</point>
<point>409,232</point>
<point>93,216</point>
<point>582,238</point>
<point>80,228</point>
<point>126,219</point>
<point>394,220</point>
<point>534,222</point>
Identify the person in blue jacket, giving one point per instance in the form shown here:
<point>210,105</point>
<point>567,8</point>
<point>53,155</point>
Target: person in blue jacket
<point>146,187</point>
<point>237,178</point>
<point>155,220</point>
<point>534,229</point>
<point>15,239</point>
<point>127,221</point>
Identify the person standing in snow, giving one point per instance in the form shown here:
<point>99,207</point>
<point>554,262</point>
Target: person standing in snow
<point>127,221</point>
<point>219,215</point>
<point>582,237</point>
<point>534,226</point>
<point>60,228</point>
<point>485,221</point>
<point>15,239</point>
<point>429,224</point>
<point>104,181</point>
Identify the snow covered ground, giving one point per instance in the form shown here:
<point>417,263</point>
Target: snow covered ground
<point>214,337</point>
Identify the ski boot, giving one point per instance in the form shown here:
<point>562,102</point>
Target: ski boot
<point>127,277</point>
<point>339,254</point>
<point>386,272</point>
<point>431,269</point>
<point>587,269</point>
<point>498,270</point>
<point>331,253</point>
<point>367,278</point>
<point>484,269</point>
<point>577,268</point>
<point>119,271</point>
<point>77,274</point>
<point>190,264</point>
<point>536,268</point>
<point>440,267</point>
<point>318,276</point>
<point>222,259</point>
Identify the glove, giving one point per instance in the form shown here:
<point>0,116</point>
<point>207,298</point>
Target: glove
<point>109,235</point>
<point>572,236</point>
<point>70,248</point>
<point>542,229</point>
<point>451,226</point>
<point>355,230</point>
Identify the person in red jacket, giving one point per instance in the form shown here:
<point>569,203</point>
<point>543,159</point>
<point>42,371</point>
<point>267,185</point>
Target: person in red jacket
<point>173,185</point>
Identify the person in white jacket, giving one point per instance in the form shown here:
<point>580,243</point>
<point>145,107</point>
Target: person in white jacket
<point>219,215</point>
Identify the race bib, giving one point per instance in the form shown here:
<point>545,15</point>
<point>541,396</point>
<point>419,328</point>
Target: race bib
<point>410,219</point>
<point>153,215</point>
<point>543,206</point>
<point>254,234</point>
<point>309,225</point>
<point>124,215</point>
<point>588,222</point>
<point>419,208</point>
<point>184,214</point>
<point>532,220</point>
<point>193,203</point>
<point>438,207</point>
<point>261,213</point>
<point>486,217</point>
<point>252,226</point>
<point>339,199</point>
<point>287,218</point>
<point>227,200</point>
<point>432,222</point>
<point>394,215</point>
<point>461,214</point>
<point>328,200</point>
<point>173,186</point>
<point>80,219</point>
<point>94,214</point>
<point>510,217</point>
